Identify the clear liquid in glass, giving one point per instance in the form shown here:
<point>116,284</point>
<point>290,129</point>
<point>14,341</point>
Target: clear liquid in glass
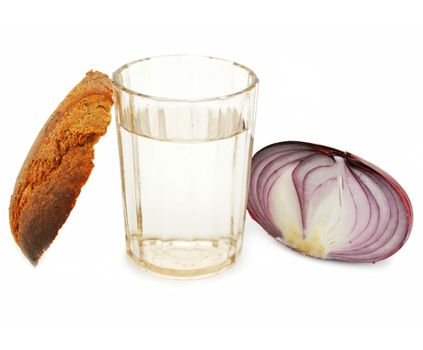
<point>184,201</point>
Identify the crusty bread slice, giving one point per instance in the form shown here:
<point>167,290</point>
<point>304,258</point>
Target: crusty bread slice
<point>58,165</point>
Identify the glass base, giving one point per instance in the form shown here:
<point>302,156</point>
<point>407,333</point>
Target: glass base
<point>183,258</point>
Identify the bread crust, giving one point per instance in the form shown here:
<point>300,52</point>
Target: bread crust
<point>59,164</point>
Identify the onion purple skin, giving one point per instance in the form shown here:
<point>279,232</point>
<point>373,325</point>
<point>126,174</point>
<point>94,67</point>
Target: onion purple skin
<point>382,211</point>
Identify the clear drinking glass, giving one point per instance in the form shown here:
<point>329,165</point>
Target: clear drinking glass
<point>185,129</point>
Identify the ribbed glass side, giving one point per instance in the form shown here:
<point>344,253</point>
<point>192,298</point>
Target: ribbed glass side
<point>185,168</point>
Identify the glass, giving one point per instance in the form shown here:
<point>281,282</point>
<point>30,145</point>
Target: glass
<point>185,128</point>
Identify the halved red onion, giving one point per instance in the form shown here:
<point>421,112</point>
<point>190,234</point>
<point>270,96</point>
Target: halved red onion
<point>327,203</point>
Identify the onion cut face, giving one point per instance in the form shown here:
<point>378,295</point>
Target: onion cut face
<point>327,203</point>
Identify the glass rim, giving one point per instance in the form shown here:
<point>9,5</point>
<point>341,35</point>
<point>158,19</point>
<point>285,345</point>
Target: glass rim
<point>254,80</point>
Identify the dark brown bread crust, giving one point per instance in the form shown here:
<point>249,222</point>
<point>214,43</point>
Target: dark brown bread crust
<point>58,165</point>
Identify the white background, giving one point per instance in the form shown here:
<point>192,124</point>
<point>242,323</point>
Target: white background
<point>344,74</point>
